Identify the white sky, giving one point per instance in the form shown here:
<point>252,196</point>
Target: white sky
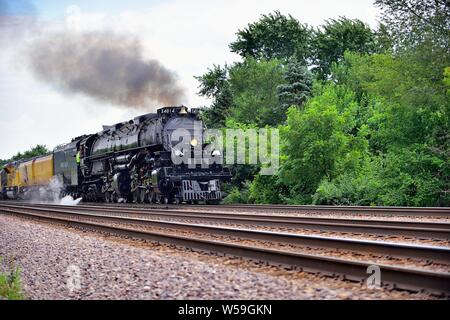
<point>185,36</point>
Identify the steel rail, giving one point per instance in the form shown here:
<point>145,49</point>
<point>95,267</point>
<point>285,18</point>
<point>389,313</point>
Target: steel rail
<point>432,253</point>
<point>391,276</point>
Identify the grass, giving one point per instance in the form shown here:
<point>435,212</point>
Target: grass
<point>10,285</point>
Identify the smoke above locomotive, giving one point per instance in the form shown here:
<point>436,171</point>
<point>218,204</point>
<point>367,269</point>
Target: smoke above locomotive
<point>106,66</point>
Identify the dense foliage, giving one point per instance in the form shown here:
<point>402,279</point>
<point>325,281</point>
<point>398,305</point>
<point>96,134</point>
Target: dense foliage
<point>338,36</point>
<point>364,115</point>
<point>274,36</point>
<point>413,22</point>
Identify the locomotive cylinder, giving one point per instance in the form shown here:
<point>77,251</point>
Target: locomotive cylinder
<point>121,167</point>
<point>122,159</point>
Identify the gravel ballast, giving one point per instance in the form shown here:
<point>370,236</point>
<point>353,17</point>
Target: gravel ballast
<point>51,256</point>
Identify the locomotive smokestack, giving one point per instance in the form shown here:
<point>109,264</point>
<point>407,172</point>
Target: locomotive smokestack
<point>106,66</point>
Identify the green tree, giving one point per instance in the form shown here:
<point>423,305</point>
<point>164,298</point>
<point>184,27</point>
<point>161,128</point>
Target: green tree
<point>384,41</point>
<point>336,37</point>
<point>274,36</point>
<point>267,189</point>
<point>318,142</point>
<point>254,87</point>
<point>416,109</point>
<point>408,125</point>
<point>215,85</point>
<point>414,22</point>
<point>412,176</point>
<point>298,87</point>
<point>373,131</point>
<point>447,79</point>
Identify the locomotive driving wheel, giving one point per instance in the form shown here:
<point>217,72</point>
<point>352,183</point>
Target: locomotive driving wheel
<point>142,195</point>
<point>136,196</point>
<point>162,199</point>
<point>151,197</point>
<point>139,195</point>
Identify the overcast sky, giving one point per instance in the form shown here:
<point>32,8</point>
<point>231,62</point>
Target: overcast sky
<point>185,36</point>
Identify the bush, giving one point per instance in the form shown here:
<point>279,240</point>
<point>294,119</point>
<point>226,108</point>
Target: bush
<point>349,189</point>
<point>237,195</point>
<point>267,190</point>
<point>10,286</point>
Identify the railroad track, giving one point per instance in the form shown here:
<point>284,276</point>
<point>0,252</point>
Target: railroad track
<point>420,229</point>
<point>400,277</point>
<point>379,210</point>
<point>392,211</point>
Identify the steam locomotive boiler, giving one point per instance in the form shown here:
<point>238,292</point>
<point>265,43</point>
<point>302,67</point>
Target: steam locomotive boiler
<point>133,161</point>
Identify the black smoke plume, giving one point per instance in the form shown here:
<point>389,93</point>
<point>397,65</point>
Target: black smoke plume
<point>106,66</point>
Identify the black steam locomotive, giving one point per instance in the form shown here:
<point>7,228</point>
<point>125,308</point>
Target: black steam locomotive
<point>133,162</point>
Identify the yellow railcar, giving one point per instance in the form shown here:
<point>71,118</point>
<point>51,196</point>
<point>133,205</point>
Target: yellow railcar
<point>13,176</point>
<point>42,170</point>
<point>35,172</point>
<point>19,179</point>
<point>25,170</point>
<point>10,181</point>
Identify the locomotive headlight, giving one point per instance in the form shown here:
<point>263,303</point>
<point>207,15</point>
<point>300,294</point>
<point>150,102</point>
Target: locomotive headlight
<point>194,142</point>
<point>216,153</point>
